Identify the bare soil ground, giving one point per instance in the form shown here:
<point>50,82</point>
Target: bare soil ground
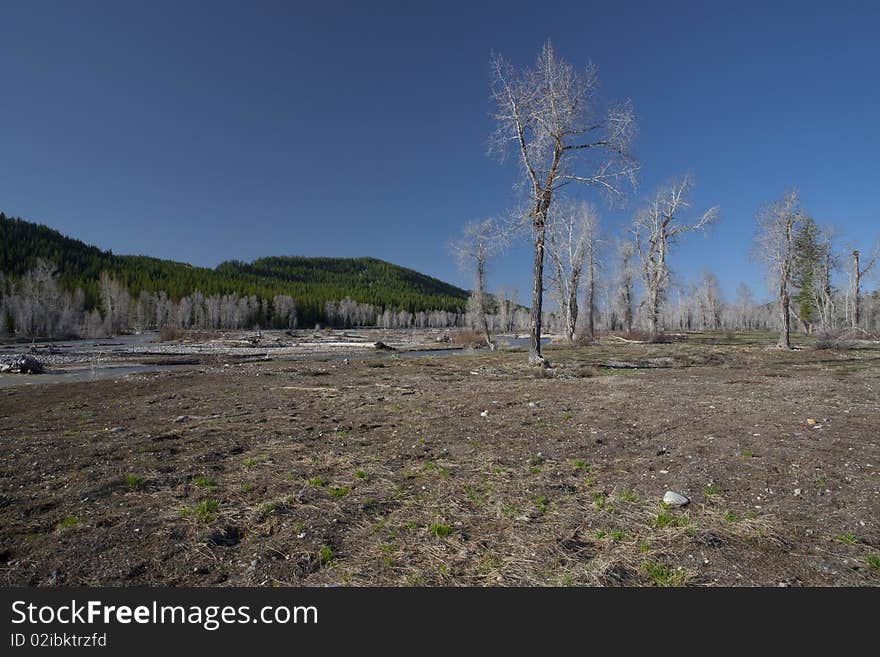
<point>453,470</point>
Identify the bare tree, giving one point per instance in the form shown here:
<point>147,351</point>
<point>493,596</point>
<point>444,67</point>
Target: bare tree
<point>858,271</point>
<point>655,229</point>
<point>709,300</point>
<point>777,223</point>
<point>571,237</point>
<point>551,115</point>
<point>625,276</point>
<point>480,241</point>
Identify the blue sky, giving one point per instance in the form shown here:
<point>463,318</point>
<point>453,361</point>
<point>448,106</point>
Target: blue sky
<point>208,131</point>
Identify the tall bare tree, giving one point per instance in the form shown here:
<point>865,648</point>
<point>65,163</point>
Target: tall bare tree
<point>625,275</point>
<point>571,238</point>
<point>551,116</point>
<point>656,228</point>
<point>774,244</point>
<point>709,301</point>
<point>480,241</point>
<point>858,271</point>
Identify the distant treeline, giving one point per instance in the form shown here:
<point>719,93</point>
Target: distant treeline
<point>54,285</point>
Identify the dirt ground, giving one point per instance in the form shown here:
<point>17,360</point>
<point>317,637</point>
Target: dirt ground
<point>453,470</point>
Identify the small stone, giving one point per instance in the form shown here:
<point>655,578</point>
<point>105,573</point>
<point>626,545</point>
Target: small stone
<point>811,421</point>
<point>664,472</point>
<point>533,404</point>
<point>675,499</point>
<point>117,429</point>
<point>797,491</point>
<point>484,414</point>
<point>181,418</point>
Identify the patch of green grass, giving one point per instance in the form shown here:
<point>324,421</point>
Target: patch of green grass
<point>644,546</point>
<point>847,538</point>
<point>662,575</point>
<point>339,491</point>
<point>440,530</point>
<point>711,490</point>
<point>132,481</point>
<point>473,495</point>
<point>617,534</point>
<point>730,516</point>
<point>268,508</point>
<point>67,522</point>
<point>589,482</point>
<point>387,552</point>
<point>342,433</point>
<point>599,534</point>
<point>489,562</point>
<point>566,417</point>
<point>205,482</point>
<point>627,496</point>
<point>535,470</point>
<point>668,519</point>
<point>510,511</point>
<point>250,462</point>
<point>361,474</point>
<point>747,454</point>
<point>580,464</point>
<point>206,510</point>
<point>873,561</point>
<point>541,503</point>
<point>246,487</point>
<point>325,554</point>
<point>318,482</point>
<point>599,500</point>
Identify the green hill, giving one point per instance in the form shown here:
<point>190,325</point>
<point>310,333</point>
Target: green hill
<point>311,282</point>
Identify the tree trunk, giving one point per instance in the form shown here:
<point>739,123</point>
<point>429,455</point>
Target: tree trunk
<point>591,292</point>
<point>535,357</point>
<point>654,315</point>
<point>571,313</point>
<point>785,331</point>
<point>484,321</point>
<point>857,274</point>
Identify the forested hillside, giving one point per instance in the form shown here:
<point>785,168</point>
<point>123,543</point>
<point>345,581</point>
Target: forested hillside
<point>275,291</point>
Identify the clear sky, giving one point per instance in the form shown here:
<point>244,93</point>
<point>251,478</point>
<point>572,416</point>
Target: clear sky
<point>208,131</point>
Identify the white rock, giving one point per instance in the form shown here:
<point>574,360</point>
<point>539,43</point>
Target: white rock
<point>533,404</point>
<point>675,499</point>
<point>484,414</point>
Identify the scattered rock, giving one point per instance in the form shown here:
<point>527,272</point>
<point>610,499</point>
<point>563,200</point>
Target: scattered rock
<point>484,414</point>
<point>117,430</point>
<point>533,404</point>
<point>24,364</point>
<point>675,499</point>
<point>181,418</point>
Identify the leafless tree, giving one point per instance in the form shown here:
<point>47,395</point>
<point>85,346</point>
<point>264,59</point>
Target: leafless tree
<point>709,299</point>
<point>480,241</point>
<point>859,269</point>
<point>656,228</point>
<point>625,275</point>
<point>571,238</point>
<point>551,116</point>
<point>777,222</point>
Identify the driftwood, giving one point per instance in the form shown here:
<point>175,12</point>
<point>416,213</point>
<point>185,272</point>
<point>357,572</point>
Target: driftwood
<point>25,364</point>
